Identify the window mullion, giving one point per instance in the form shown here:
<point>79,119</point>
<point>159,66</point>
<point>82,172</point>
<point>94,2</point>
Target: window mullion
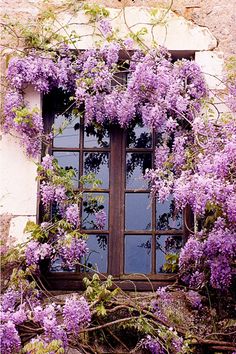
<point>115,258</point>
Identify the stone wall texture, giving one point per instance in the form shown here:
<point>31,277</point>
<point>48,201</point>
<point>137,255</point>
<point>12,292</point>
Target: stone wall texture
<point>218,15</point>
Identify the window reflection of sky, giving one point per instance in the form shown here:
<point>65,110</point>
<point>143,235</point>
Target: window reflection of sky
<point>138,137</point>
<point>69,137</point>
<point>96,137</point>
<point>69,160</point>
<point>136,164</point>
<point>88,218</point>
<point>97,163</point>
<point>167,216</point>
<point>97,257</point>
<point>166,244</point>
<point>138,254</point>
<point>138,211</point>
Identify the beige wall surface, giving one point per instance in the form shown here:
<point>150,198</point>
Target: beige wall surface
<point>218,15</point>
<point>209,30</point>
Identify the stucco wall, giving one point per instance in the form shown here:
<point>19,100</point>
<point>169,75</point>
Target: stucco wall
<point>18,188</point>
<point>218,15</point>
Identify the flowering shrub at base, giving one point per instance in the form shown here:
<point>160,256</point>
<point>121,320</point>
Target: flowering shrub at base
<point>55,323</point>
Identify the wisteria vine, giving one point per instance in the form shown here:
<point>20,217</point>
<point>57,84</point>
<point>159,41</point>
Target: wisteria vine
<point>194,161</point>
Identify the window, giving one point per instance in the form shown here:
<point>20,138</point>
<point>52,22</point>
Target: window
<point>139,231</point>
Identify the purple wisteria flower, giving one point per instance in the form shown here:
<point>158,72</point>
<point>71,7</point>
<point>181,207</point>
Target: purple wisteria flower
<point>47,192</point>
<point>10,342</point>
<point>100,219</point>
<point>36,251</point>
<point>47,317</point>
<point>9,299</point>
<point>76,314</point>
<point>60,194</point>
<point>47,162</point>
<point>194,299</point>
<point>152,345</point>
<point>105,28</point>
<point>72,214</point>
<point>71,249</point>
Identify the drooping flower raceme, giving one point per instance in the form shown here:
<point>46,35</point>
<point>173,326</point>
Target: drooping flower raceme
<point>71,249</point>
<point>36,251</point>
<point>9,338</point>
<point>100,219</point>
<point>76,314</point>
<point>72,214</point>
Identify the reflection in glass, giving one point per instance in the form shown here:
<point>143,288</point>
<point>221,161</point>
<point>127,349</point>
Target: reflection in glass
<point>136,164</point>
<point>69,160</point>
<point>97,163</point>
<point>69,137</point>
<point>167,216</point>
<point>56,266</point>
<point>98,136</point>
<point>119,78</point>
<point>92,203</point>
<point>138,254</point>
<point>97,256</point>
<point>138,211</point>
<point>138,136</point>
<point>166,244</point>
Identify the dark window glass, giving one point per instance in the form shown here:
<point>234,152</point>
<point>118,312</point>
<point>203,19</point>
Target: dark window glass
<point>96,258</point>
<point>167,217</point>
<point>69,136</point>
<point>138,254</point>
<point>136,165</point>
<point>166,244</point>
<point>92,203</point>
<point>96,137</point>
<point>138,212</point>
<point>69,160</point>
<point>97,163</point>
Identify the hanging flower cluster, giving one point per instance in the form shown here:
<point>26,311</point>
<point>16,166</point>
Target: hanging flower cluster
<point>59,237</point>
<point>163,94</point>
<point>212,257</point>
<point>55,323</point>
<point>197,167</point>
<point>43,73</point>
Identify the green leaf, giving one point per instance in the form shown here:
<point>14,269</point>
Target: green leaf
<point>101,311</point>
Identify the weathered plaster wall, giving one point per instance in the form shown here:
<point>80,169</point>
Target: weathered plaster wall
<point>18,188</point>
<point>218,15</point>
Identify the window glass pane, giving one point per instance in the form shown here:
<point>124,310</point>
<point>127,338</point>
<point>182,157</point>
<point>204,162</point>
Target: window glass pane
<point>167,216</point>
<point>69,160</point>
<point>136,164</point>
<point>119,78</point>
<point>138,136</point>
<point>93,203</point>
<point>70,131</point>
<point>138,211</point>
<point>166,244</point>
<point>97,163</point>
<point>56,266</point>
<point>97,256</point>
<point>96,136</point>
<point>138,254</point>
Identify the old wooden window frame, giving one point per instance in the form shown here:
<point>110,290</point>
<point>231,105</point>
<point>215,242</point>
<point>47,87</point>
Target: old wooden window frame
<point>116,231</point>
